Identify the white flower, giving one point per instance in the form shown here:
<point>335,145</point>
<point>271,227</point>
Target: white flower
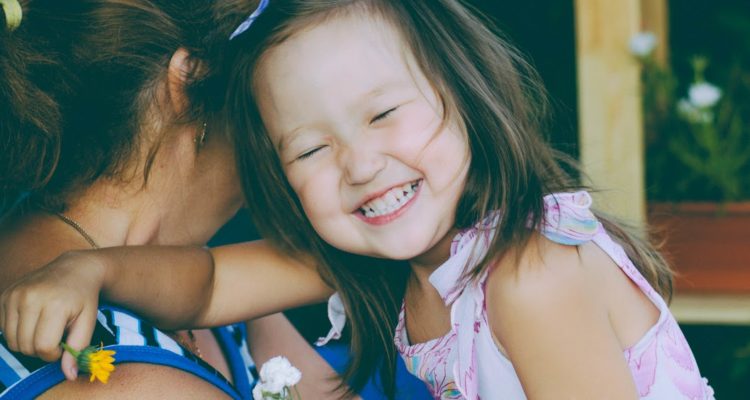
<point>277,376</point>
<point>704,94</point>
<point>693,114</point>
<point>643,44</point>
<point>258,392</point>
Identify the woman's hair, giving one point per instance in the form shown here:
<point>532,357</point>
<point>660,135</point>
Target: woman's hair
<point>79,85</point>
<point>495,94</point>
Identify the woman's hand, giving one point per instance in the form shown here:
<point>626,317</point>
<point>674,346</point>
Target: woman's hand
<point>36,311</point>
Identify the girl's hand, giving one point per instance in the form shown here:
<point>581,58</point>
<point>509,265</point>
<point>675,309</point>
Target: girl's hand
<point>36,311</point>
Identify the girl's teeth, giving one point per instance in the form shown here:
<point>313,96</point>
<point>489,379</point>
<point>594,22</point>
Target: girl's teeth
<point>378,204</point>
<point>389,202</point>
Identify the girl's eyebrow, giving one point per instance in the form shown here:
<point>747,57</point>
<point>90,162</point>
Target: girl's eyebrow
<point>376,91</point>
<point>381,89</point>
<point>288,137</point>
<point>282,143</point>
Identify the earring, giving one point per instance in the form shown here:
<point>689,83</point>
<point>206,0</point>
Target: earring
<point>201,139</point>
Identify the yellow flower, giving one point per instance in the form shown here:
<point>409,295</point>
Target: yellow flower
<point>94,361</point>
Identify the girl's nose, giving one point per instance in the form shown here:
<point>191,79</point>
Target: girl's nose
<point>362,164</point>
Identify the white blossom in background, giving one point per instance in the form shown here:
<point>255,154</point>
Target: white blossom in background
<point>693,114</point>
<point>704,94</point>
<point>277,377</point>
<point>643,44</point>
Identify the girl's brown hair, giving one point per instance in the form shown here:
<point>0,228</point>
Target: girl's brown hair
<point>497,96</point>
<point>79,78</point>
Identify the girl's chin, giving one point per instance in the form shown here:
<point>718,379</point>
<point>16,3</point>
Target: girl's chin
<point>401,253</point>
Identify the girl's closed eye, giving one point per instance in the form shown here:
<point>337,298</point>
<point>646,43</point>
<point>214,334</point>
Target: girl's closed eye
<point>383,115</point>
<point>309,153</point>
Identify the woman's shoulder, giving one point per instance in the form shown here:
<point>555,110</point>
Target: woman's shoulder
<point>141,380</point>
<point>147,361</point>
<point>138,341</point>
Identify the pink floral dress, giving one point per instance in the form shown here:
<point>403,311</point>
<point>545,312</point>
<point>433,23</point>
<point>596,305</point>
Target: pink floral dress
<point>466,363</point>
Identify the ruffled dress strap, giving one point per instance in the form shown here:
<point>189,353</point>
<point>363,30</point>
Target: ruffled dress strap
<point>337,318</point>
<point>568,218</point>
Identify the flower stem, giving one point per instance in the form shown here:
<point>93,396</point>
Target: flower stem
<point>75,353</point>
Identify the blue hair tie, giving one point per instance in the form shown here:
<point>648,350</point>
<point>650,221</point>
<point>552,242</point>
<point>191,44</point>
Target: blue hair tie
<point>249,21</point>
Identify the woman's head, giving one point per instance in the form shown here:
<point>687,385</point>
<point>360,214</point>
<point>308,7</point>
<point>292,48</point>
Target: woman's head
<point>87,92</point>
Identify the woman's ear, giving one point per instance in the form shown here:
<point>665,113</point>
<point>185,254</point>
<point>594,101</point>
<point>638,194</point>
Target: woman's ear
<point>180,67</point>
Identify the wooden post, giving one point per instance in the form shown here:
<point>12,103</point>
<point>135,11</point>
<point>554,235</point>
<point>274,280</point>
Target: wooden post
<point>609,103</point>
<point>655,15</point>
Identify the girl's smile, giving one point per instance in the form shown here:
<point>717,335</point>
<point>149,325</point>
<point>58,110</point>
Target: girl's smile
<point>363,138</point>
<point>384,208</point>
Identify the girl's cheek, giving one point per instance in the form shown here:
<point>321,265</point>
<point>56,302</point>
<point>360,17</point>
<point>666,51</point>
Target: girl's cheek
<point>296,180</point>
<point>414,133</point>
<point>309,184</point>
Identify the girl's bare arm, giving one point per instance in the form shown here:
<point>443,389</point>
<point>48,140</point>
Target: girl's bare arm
<point>174,287</point>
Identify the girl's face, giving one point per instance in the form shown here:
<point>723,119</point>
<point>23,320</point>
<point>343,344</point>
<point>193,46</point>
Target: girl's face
<point>360,134</point>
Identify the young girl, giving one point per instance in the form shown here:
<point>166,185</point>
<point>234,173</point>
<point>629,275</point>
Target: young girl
<point>397,146</point>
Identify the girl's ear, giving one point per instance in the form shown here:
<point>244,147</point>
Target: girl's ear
<point>180,68</point>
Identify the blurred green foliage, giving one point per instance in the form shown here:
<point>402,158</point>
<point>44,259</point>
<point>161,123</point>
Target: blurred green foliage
<point>700,153</point>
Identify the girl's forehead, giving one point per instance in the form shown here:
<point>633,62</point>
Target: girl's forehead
<point>350,49</point>
<point>372,30</point>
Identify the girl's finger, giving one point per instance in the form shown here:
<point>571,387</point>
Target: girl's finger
<point>79,336</point>
<point>49,333</point>
<point>27,320</point>
<point>69,366</point>
<point>10,325</point>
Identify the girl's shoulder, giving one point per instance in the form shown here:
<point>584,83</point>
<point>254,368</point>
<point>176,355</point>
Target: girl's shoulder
<point>552,307</point>
<point>545,276</point>
<point>560,274</point>
<point>559,259</point>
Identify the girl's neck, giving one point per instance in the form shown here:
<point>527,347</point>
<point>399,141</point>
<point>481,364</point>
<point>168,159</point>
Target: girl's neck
<point>426,263</point>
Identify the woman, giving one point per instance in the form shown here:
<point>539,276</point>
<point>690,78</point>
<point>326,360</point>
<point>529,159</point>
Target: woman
<point>110,121</point>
